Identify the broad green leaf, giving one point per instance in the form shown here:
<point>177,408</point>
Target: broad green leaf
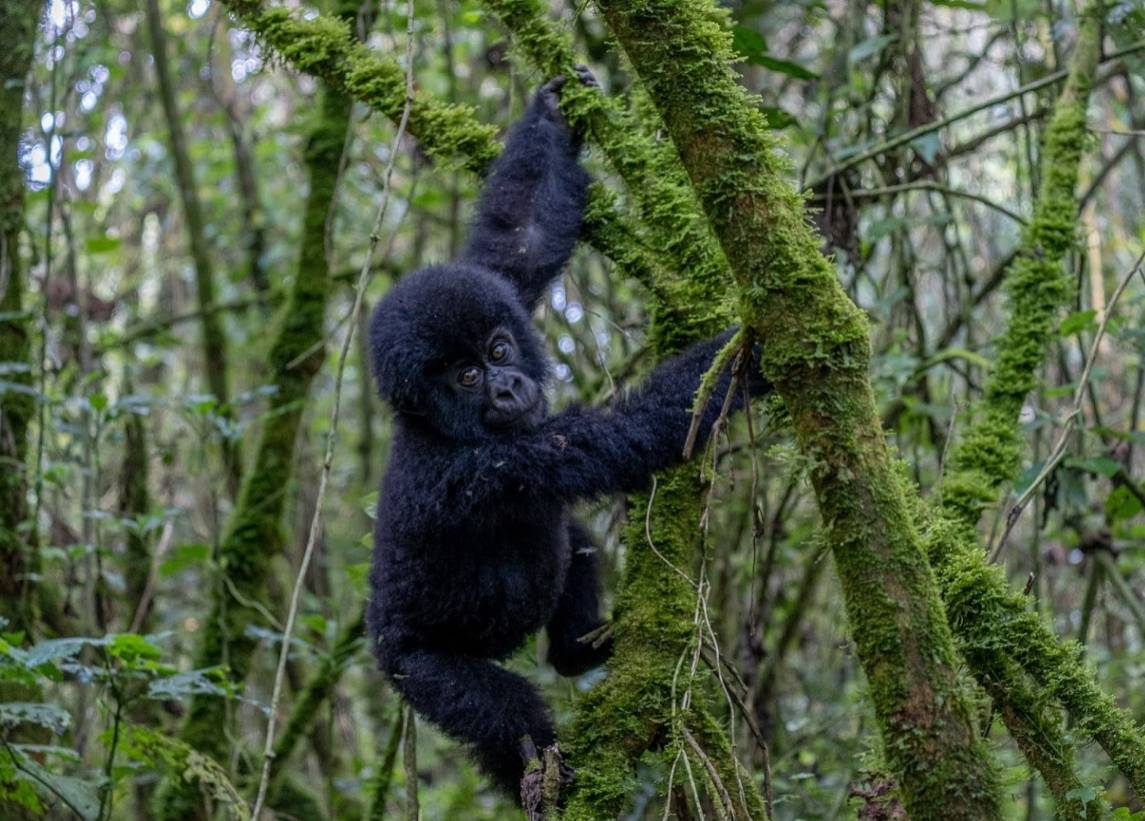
<point>1122,504</point>
<point>869,48</point>
<point>788,67</point>
<point>101,245</point>
<point>1078,321</point>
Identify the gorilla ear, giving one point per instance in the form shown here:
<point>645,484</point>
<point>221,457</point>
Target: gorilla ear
<point>395,356</point>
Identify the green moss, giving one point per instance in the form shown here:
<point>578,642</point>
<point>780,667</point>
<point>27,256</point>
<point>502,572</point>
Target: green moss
<point>651,169</point>
<point>816,352</point>
<point>632,710</point>
<point>995,624</point>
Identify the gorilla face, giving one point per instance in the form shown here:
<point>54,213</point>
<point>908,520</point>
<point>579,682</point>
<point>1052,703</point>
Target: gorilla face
<point>454,348</point>
<point>505,396</point>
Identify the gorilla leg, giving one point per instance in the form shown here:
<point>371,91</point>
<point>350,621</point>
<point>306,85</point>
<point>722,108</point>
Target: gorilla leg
<point>578,611</point>
<point>477,702</point>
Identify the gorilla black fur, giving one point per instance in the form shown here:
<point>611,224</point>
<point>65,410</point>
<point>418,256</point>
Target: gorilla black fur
<point>475,548</point>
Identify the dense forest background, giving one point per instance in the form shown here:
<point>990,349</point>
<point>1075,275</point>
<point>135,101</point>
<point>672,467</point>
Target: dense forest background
<point>194,197</point>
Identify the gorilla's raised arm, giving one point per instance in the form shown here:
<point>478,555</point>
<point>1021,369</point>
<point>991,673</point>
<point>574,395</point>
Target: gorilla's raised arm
<point>584,452</point>
<point>530,210</point>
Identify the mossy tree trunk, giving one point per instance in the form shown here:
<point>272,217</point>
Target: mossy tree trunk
<point>254,533</point>
<point>817,353</point>
<point>18,19</point>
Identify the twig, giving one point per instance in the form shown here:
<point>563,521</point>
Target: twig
<point>930,185</point>
<point>409,742</point>
<point>152,574</point>
<point>331,437</point>
<point>1059,448</point>
<point>713,774</point>
<point>651,544</point>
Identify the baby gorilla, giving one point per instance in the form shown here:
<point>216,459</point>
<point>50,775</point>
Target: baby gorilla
<point>475,549</point>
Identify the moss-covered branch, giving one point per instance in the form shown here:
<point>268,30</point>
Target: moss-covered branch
<point>1038,289</point>
<point>254,534</point>
<point>18,20</point>
<point>450,134</point>
<point>817,353</point>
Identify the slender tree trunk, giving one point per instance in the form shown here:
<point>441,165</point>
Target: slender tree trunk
<point>215,360</point>
<point>254,535</point>
<point>18,19</point>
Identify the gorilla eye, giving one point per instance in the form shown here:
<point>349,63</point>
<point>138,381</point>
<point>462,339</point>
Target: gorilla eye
<point>499,351</point>
<point>469,376</point>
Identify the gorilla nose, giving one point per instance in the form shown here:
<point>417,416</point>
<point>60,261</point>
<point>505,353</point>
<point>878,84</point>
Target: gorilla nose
<point>506,388</point>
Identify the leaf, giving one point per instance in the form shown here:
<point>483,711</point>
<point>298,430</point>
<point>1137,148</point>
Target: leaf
<point>181,685</point>
<point>970,5</point>
<point>50,716</point>
<point>1078,321</point>
<point>131,647</point>
<point>777,118</point>
<point>869,48</point>
<point>788,67</point>
<point>184,556</point>
<point>969,356</point>
<point>1100,465</point>
<point>927,146</point>
<point>54,650</point>
<point>81,797</point>
<point>748,42</point>
<point>101,245</point>
<point>154,749</point>
<point>1122,504</point>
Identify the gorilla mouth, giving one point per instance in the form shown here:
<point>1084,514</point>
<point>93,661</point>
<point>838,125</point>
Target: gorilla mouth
<point>522,415</point>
